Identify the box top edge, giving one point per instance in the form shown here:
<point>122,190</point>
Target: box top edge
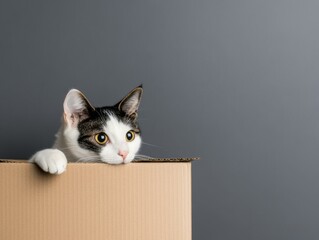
<point>150,160</point>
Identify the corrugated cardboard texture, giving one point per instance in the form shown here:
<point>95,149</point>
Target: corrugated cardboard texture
<point>94,201</point>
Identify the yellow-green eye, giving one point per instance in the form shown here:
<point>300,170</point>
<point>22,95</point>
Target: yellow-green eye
<point>101,138</point>
<point>130,135</point>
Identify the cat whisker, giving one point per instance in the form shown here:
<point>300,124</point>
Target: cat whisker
<point>152,145</point>
<point>142,157</point>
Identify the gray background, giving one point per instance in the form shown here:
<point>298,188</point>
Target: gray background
<point>234,82</point>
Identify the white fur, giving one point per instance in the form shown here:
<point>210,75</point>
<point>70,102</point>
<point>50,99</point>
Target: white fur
<point>66,141</point>
<point>116,131</point>
<point>50,160</point>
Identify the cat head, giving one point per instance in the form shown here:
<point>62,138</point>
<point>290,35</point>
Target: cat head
<point>110,134</point>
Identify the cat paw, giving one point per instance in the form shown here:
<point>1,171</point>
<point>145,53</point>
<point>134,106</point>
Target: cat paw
<point>50,160</point>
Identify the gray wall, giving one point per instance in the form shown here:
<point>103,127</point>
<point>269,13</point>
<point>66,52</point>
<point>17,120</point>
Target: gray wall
<point>234,82</point>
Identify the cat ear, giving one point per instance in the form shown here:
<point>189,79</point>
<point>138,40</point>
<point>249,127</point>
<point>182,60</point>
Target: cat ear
<point>130,103</point>
<point>76,107</point>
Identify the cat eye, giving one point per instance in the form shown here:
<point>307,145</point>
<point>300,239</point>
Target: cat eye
<point>101,138</point>
<point>130,135</point>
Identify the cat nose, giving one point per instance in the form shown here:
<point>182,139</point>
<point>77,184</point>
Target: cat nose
<point>123,154</point>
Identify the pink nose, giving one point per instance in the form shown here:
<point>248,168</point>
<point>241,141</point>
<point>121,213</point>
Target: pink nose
<point>123,154</point>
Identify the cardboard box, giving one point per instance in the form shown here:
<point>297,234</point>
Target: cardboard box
<point>148,200</point>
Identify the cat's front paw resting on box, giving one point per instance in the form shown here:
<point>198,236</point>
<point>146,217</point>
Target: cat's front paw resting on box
<point>50,160</point>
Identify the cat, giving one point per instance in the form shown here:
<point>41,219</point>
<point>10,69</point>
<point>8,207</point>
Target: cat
<point>108,134</point>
